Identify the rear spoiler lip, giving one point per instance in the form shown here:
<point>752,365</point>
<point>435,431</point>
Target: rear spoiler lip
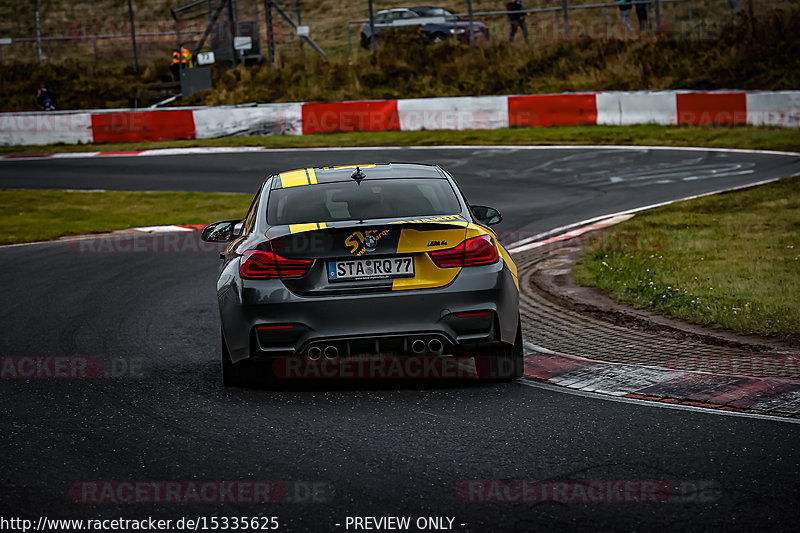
<point>283,230</point>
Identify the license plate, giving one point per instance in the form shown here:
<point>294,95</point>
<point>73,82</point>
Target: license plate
<point>357,269</point>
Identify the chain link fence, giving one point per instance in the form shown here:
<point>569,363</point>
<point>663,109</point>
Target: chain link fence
<point>100,31</point>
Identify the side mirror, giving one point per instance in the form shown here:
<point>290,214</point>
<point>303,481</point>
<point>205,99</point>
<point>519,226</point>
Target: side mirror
<point>223,231</point>
<point>486,215</point>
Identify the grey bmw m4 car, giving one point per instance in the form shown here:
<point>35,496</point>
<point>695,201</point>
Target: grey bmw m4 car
<point>332,263</point>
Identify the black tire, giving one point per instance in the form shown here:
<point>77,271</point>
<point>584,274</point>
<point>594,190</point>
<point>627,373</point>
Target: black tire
<point>365,42</point>
<point>438,37</point>
<point>230,375</point>
<point>245,372</point>
<point>505,362</point>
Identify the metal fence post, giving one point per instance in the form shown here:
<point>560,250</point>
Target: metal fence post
<point>750,8</point>
<point>691,18</point>
<point>566,18</point>
<point>300,23</point>
<point>605,23</point>
<point>469,11</point>
<point>255,17</point>
<point>270,36</point>
<point>133,38</point>
<point>232,20</point>
<point>555,24</point>
<point>658,16</point>
<point>372,43</point>
<point>38,31</point>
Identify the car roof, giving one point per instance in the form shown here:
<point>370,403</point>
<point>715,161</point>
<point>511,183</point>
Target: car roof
<point>429,7</point>
<point>329,174</point>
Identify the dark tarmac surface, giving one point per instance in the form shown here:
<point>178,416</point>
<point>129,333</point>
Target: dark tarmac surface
<point>366,449</point>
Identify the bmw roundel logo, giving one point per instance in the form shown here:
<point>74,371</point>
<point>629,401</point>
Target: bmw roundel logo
<point>370,242</point>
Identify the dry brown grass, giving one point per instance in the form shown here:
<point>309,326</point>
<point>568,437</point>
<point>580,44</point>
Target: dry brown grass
<point>737,55</point>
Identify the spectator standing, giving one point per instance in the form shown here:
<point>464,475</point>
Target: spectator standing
<point>175,67</point>
<point>625,7</point>
<point>186,58</point>
<point>643,14</point>
<point>516,20</point>
<point>46,98</point>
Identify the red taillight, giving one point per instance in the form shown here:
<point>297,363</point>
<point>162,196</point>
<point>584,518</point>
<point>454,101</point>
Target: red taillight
<point>293,268</point>
<point>452,257</point>
<point>480,251</point>
<point>475,251</point>
<point>256,264</point>
<point>473,315</point>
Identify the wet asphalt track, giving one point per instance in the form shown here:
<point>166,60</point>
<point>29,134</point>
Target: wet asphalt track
<point>378,449</point>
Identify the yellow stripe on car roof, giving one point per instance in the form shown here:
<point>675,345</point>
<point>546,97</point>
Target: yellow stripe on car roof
<point>308,176</point>
<point>294,178</point>
<point>311,226</point>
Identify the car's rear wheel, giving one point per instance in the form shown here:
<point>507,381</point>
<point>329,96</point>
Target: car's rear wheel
<point>505,362</point>
<point>244,372</point>
<point>231,374</point>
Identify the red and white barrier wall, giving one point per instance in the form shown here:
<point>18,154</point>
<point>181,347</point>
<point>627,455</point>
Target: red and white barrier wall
<point>731,108</point>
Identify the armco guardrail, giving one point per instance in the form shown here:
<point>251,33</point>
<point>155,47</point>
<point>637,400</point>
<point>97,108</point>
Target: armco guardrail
<point>729,108</point>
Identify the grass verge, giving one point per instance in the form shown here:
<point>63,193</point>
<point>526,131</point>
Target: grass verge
<point>29,216</point>
<point>744,137</point>
<point>730,260</point>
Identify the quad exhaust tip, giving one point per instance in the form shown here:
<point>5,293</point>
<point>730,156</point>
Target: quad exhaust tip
<point>435,346</point>
<point>418,346</point>
<point>331,352</point>
<point>314,353</point>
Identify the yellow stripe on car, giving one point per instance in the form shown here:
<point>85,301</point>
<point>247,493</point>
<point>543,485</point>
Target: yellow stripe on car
<point>311,226</point>
<point>453,220</point>
<point>426,274</point>
<point>512,267</point>
<point>294,178</point>
<point>299,228</point>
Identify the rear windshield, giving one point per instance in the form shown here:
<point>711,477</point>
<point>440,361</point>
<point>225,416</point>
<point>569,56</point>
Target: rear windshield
<point>387,198</point>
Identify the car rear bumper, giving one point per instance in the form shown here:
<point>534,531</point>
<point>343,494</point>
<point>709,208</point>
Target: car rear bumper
<point>262,318</point>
